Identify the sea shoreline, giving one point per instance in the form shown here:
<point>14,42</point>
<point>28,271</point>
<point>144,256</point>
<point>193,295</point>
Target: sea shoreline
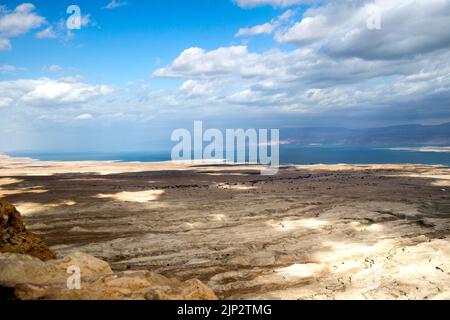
<point>292,154</point>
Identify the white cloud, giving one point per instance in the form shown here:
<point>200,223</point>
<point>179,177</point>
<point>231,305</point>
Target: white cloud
<point>7,68</point>
<point>338,65</point>
<point>47,33</point>
<point>20,21</point>
<point>84,116</point>
<point>308,30</point>
<point>5,102</point>
<point>86,20</point>
<point>274,3</point>
<point>5,44</point>
<point>52,68</point>
<point>408,27</point>
<point>17,22</point>
<point>72,79</point>
<point>58,30</point>
<point>45,92</point>
<point>306,80</point>
<point>196,62</point>
<point>265,28</point>
<point>114,4</point>
<point>196,88</point>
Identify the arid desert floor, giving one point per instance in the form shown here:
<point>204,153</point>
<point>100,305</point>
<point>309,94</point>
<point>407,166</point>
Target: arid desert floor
<point>309,232</point>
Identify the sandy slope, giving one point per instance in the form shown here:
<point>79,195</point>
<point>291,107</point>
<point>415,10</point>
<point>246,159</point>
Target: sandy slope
<point>310,232</point>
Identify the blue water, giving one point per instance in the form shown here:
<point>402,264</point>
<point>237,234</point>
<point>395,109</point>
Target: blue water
<point>359,155</point>
<point>155,156</point>
<point>325,154</point>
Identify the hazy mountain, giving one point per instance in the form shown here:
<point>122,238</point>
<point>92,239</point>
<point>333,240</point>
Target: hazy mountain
<point>405,134</point>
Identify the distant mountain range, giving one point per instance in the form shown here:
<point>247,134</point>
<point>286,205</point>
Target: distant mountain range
<point>400,135</point>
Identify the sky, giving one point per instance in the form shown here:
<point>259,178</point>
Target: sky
<point>136,70</point>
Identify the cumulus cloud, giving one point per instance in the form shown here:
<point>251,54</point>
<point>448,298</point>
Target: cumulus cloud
<point>194,88</point>
<point>196,62</point>
<point>408,27</point>
<point>302,64</point>
<point>336,64</point>
<point>17,22</point>
<point>341,63</point>
<point>308,30</point>
<point>316,78</point>
<point>45,92</point>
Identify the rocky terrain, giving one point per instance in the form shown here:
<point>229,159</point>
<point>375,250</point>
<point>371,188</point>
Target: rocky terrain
<point>310,232</point>
<point>25,276</point>
<point>15,238</point>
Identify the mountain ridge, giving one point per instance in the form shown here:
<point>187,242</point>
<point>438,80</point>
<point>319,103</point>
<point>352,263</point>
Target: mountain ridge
<point>400,134</point>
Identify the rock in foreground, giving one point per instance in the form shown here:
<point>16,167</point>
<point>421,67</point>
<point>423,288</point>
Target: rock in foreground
<point>25,277</point>
<point>15,238</point>
<point>28,272</point>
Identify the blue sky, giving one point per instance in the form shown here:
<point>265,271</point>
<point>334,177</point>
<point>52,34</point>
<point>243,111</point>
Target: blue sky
<point>138,69</point>
<point>128,42</point>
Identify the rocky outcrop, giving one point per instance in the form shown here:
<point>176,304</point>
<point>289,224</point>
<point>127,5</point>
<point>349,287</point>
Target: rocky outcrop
<point>29,271</point>
<point>14,237</point>
<point>25,277</point>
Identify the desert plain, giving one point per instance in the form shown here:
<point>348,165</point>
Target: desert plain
<point>309,232</point>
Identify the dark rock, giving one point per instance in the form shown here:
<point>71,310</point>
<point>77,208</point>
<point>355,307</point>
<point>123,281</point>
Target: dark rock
<point>14,237</point>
